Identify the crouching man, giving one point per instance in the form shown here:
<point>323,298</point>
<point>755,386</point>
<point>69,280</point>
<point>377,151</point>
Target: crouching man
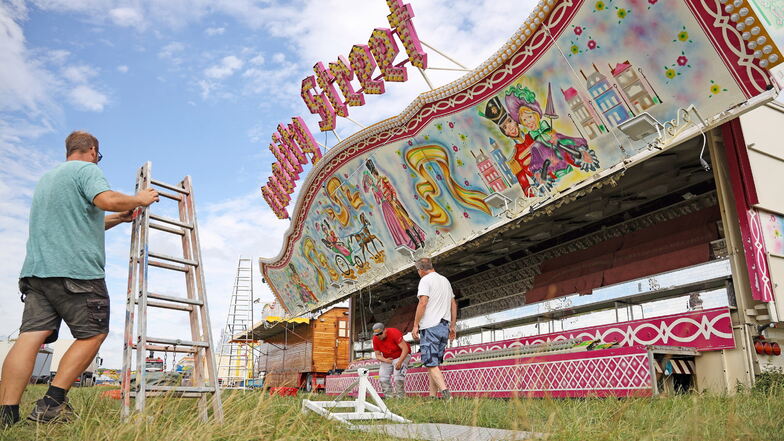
<point>394,354</point>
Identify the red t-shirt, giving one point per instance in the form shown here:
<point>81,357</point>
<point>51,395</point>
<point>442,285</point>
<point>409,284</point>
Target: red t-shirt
<point>390,346</point>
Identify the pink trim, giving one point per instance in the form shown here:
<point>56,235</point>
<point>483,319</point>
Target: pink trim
<point>609,372</point>
<point>745,196</point>
<point>739,60</point>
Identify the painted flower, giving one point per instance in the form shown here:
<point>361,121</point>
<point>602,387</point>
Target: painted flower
<point>439,177</point>
<point>622,13</point>
<point>716,89</point>
<point>466,182</point>
<point>578,30</point>
<point>682,60</point>
<point>652,2</point>
<point>416,197</point>
<point>592,44</point>
<point>670,73</point>
<point>345,175</point>
<point>460,163</point>
<point>451,125</point>
<point>575,50</point>
<point>439,126</point>
<point>600,6</point>
<point>405,166</point>
<point>454,147</point>
<point>465,215</point>
<point>427,137</point>
<point>683,36</point>
<point>438,232</point>
<point>410,142</point>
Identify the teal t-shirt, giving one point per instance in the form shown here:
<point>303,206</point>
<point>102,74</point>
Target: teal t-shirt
<point>66,235</point>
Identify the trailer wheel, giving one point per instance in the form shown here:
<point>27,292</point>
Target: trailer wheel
<point>309,383</point>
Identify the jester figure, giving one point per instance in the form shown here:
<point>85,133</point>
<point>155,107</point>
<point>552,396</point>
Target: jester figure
<point>402,228</point>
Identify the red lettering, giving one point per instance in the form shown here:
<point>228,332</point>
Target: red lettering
<point>384,49</point>
<point>318,104</point>
<point>326,81</point>
<point>400,19</point>
<point>363,65</point>
<point>343,74</point>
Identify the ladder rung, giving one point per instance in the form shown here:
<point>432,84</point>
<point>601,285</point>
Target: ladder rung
<point>186,389</point>
<point>154,295</point>
<point>160,227</point>
<point>164,394</point>
<point>173,259</point>
<point>170,195</point>
<point>171,221</point>
<point>169,186</point>
<point>166,349</point>
<point>176,342</point>
<point>169,306</point>
<point>184,269</point>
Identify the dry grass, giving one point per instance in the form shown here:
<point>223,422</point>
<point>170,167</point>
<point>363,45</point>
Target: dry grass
<point>257,416</point>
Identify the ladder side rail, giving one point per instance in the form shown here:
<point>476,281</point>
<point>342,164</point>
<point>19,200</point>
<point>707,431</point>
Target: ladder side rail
<point>141,348</point>
<point>130,305</point>
<point>205,315</point>
<point>197,377</point>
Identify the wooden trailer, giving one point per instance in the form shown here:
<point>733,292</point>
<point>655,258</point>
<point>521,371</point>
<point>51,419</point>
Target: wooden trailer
<point>301,352</point>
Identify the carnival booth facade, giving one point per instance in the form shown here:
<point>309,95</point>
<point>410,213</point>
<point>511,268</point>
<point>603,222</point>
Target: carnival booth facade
<point>603,194</point>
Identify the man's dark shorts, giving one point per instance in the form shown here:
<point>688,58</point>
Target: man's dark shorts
<point>432,343</point>
<point>83,304</point>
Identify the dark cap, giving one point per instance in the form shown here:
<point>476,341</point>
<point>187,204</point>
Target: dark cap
<point>495,111</point>
<point>378,328</point>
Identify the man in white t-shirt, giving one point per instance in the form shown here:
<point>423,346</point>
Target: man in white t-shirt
<point>435,319</point>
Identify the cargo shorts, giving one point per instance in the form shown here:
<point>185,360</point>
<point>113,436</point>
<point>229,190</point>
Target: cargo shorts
<point>83,304</point>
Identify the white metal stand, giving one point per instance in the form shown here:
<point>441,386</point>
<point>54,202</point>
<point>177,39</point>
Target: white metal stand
<point>363,410</point>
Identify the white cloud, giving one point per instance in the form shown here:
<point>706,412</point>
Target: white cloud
<point>258,60</point>
<point>84,97</point>
<point>79,74</point>
<point>127,17</point>
<point>171,52</point>
<point>214,31</point>
<point>24,84</point>
<point>279,57</point>
<point>122,69</point>
<point>225,68</point>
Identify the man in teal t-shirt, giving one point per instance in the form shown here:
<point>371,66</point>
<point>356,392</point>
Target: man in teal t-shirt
<point>63,275</point>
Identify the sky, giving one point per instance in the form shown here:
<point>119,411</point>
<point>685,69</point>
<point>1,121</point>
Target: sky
<point>197,87</point>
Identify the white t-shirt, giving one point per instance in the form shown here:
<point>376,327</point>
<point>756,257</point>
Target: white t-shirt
<point>439,304</point>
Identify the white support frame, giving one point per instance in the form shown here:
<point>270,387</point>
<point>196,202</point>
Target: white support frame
<point>363,409</point>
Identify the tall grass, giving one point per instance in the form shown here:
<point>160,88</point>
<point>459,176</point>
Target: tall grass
<point>253,415</point>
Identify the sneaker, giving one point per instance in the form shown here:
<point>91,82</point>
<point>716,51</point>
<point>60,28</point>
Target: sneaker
<point>446,395</point>
<point>44,413</point>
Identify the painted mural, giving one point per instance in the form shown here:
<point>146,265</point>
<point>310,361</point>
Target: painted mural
<point>539,118</point>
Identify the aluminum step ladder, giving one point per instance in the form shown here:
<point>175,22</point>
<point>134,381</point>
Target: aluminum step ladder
<point>203,382</point>
<point>236,361</point>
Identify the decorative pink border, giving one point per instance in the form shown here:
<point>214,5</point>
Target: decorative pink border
<point>739,60</point>
<point>707,330</point>
<point>607,372</point>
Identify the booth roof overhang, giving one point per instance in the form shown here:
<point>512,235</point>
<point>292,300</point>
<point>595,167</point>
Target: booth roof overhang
<point>398,180</point>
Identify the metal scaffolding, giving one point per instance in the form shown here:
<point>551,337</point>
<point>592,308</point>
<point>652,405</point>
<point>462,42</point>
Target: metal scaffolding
<point>236,355</point>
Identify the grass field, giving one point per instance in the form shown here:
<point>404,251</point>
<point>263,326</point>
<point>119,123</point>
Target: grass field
<point>254,415</point>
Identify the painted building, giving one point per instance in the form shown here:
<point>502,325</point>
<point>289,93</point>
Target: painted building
<point>489,171</point>
<point>606,97</point>
<point>583,113</point>
<point>502,163</point>
<point>633,84</point>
